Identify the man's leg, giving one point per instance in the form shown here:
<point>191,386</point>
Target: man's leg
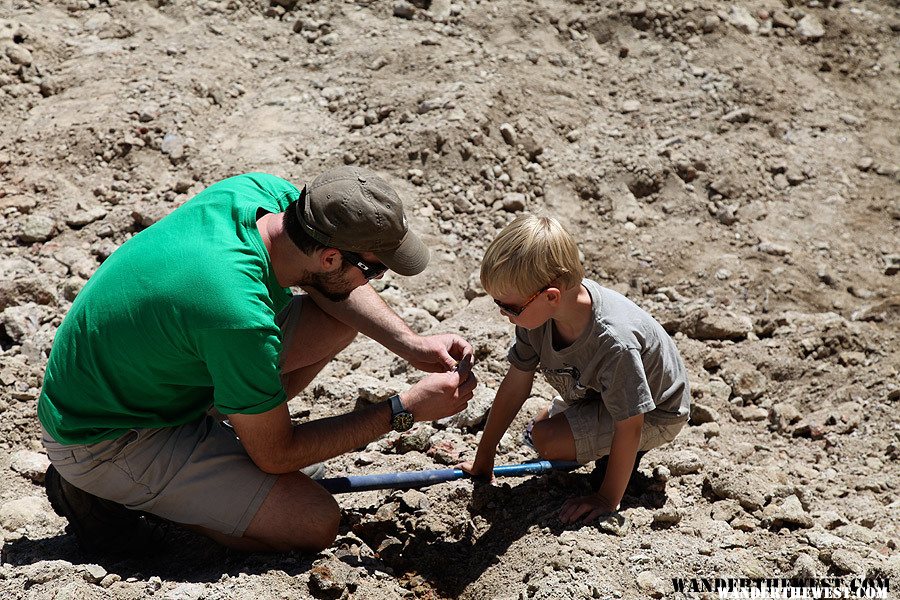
<point>311,339</point>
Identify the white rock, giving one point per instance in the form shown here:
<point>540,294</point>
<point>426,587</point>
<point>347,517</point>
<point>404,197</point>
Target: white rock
<point>30,464</point>
<point>810,28</point>
<point>18,513</point>
<point>741,18</point>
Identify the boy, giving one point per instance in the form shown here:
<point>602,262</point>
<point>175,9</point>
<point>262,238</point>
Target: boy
<point>623,387</point>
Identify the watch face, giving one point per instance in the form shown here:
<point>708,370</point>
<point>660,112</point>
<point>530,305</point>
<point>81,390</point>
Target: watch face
<point>402,421</point>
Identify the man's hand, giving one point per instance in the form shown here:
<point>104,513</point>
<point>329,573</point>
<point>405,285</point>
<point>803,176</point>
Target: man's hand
<point>436,353</point>
<point>439,395</point>
<point>589,507</point>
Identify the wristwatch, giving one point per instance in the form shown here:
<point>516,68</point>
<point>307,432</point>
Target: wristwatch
<point>401,419</point>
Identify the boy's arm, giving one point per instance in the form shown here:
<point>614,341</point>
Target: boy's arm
<point>511,395</point>
<point>625,443</point>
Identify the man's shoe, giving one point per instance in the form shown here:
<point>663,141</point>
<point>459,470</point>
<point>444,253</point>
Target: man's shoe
<point>101,526</point>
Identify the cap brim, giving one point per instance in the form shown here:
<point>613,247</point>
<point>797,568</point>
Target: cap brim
<point>409,258</point>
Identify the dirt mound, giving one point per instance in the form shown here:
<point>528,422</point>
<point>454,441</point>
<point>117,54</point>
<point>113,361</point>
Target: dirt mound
<point>732,168</point>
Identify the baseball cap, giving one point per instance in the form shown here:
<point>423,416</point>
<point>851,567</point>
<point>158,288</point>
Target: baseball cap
<point>349,208</point>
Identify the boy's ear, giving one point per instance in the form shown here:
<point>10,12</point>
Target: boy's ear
<point>553,295</point>
<point>330,259</point>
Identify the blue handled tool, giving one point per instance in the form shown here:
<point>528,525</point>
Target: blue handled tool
<point>414,479</point>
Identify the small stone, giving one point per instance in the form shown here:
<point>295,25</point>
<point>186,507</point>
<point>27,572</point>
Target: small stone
<point>37,228</point>
<point>773,248</point>
<point>415,500</point>
<point>21,512</point>
<point>509,134</point>
<point>93,573</point>
<point>631,106</point>
<point>865,163</point>
<point>18,55</point>
<point>790,513</point>
<point>172,145</point>
<point>513,202</point>
<point>84,217</point>
<point>742,20</point>
<point>430,105</point>
<point>810,28</point>
<point>781,19</point>
<point>848,562</point>
<point>32,465</point>
<point>614,524</point>
<point>667,516</point>
<point>740,115</point>
<point>701,413</point>
<point>684,462</point>
<point>638,9</point>
<point>749,413</point>
<point>404,10</point>
<point>652,584</point>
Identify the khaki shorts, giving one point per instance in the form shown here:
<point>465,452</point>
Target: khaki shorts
<point>195,474</point>
<point>592,427</point>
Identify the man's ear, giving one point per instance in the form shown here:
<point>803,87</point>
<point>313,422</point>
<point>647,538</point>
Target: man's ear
<point>330,259</point>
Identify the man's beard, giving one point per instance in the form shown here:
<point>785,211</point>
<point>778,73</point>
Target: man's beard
<point>333,286</point>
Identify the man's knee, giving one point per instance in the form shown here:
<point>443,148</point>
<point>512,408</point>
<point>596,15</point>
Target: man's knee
<point>297,515</point>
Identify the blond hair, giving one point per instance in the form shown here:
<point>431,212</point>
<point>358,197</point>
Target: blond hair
<point>528,255</point>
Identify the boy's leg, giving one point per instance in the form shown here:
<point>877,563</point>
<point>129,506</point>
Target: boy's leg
<point>553,439</point>
<point>311,338</point>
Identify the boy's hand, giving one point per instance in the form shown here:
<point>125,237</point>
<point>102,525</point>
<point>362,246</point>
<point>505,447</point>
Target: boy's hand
<point>439,395</point>
<point>588,507</point>
<point>479,472</point>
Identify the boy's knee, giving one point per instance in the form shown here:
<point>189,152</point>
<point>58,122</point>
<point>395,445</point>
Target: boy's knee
<point>542,437</point>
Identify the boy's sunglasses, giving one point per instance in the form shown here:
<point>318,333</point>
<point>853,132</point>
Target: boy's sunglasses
<point>515,311</point>
<point>369,270</point>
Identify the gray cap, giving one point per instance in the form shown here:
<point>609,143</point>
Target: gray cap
<point>349,208</point>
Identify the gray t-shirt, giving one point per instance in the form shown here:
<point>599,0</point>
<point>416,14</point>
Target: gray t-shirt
<point>624,359</point>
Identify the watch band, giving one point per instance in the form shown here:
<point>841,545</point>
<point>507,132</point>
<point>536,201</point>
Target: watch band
<point>396,405</point>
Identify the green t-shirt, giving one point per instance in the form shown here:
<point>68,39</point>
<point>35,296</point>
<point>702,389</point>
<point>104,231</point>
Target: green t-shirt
<point>179,318</point>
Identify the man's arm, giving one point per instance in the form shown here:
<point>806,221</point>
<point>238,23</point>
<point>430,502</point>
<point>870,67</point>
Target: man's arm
<point>368,313</point>
<point>625,443</point>
<point>511,395</point>
<point>278,446</point>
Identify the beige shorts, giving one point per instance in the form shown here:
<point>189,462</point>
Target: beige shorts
<point>195,474</point>
<point>592,427</point>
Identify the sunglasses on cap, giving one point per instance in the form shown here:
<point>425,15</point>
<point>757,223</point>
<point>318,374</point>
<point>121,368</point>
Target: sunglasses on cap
<point>369,270</point>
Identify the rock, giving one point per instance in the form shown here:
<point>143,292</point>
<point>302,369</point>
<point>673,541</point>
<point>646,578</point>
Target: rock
<point>84,217</point>
<point>414,500</point>
<point>810,28</point>
<point>44,571</point>
<point>740,115</point>
<point>186,591</point>
<point>652,584</point>
<point>782,415</point>
<point>781,19</point>
<point>614,524</point>
<point>32,465</point>
<point>508,133</point>
<point>667,516</point>
<point>790,513</point>
<point>684,462</point>
<point>638,9</point>
<point>93,573</point>
<point>404,10</point>
<point>849,562</point>
<point>513,202</point>
<point>749,413</point>
<point>742,20</point>
<point>806,567</point>
<point>475,413</point>
<point>173,146</point>
<point>21,512</point>
<point>701,414</point>
<point>18,55</point>
<point>331,578</point>
<point>21,322</point>
<point>739,486</point>
<point>745,380</point>
<point>37,228</point>
<point>727,186</point>
<point>430,105</point>
<point>631,106</point>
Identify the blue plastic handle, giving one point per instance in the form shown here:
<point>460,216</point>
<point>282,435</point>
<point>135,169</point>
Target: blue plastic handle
<point>414,479</point>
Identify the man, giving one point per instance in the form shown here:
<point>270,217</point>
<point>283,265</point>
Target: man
<point>194,314</point>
